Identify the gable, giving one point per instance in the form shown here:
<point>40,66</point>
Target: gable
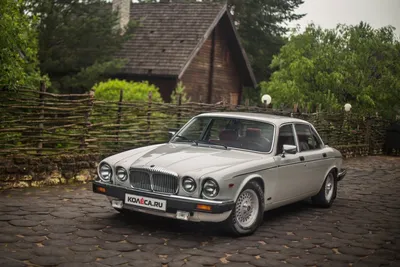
<point>167,35</point>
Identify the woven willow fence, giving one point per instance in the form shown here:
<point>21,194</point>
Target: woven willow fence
<point>39,123</point>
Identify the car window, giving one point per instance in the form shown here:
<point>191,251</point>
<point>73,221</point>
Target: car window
<point>307,139</point>
<point>194,130</point>
<point>286,137</point>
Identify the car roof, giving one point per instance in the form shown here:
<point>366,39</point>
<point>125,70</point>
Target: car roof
<point>275,119</point>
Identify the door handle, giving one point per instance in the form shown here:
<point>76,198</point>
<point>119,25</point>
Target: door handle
<point>324,155</point>
<point>301,158</point>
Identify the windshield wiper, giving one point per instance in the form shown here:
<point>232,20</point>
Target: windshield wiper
<point>211,143</point>
<point>187,139</point>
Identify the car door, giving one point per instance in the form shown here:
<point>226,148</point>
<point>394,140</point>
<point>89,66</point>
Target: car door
<point>291,169</point>
<point>312,155</point>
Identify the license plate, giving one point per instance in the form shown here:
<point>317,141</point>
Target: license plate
<point>182,215</point>
<point>146,202</point>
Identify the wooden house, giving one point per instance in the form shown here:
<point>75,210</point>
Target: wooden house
<point>195,43</point>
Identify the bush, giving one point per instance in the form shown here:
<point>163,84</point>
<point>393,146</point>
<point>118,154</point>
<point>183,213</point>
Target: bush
<point>133,91</point>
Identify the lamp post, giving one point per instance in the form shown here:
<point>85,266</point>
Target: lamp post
<point>266,99</point>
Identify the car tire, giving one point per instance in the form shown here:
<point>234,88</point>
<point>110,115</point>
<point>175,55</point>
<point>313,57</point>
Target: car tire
<point>327,194</point>
<point>251,197</point>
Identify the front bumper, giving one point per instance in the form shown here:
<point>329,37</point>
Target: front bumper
<point>218,210</point>
<point>341,174</point>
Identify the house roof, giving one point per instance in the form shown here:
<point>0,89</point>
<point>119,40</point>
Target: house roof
<point>170,34</point>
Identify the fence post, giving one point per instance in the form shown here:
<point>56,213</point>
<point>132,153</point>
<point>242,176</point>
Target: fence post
<point>41,117</point>
<point>119,114</point>
<point>178,116</point>
<point>149,116</point>
<point>87,121</point>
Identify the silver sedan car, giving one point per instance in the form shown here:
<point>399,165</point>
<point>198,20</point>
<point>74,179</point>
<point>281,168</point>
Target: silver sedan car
<point>225,167</point>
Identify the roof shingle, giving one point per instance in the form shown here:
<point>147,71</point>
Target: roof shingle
<point>167,36</point>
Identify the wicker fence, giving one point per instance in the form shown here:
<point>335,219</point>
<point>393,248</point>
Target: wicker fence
<point>43,133</point>
<point>39,123</point>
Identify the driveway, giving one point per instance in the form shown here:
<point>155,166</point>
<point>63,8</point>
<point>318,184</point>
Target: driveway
<point>71,226</point>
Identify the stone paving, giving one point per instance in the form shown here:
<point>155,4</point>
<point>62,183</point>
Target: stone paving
<point>71,226</point>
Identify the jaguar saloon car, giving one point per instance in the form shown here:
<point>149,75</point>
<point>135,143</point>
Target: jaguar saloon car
<point>226,168</point>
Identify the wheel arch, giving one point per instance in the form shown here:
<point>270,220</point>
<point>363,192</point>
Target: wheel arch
<point>252,177</point>
<point>333,169</point>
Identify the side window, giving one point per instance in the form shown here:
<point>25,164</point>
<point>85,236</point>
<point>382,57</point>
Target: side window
<point>307,139</point>
<point>286,137</point>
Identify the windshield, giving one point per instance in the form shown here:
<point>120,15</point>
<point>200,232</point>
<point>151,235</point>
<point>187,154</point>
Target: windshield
<point>228,132</point>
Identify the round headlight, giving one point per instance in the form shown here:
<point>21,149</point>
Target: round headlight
<point>210,188</point>
<point>105,172</point>
<point>122,174</point>
<point>189,184</point>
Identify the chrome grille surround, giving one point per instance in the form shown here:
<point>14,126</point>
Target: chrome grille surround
<point>154,179</point>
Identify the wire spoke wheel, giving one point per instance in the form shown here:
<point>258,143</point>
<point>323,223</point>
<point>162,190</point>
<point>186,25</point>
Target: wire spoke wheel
<point>247,208</point>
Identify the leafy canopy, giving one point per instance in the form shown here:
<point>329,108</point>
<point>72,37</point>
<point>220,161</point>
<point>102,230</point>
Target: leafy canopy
<point>18,47</point>
<point>77,41</point>
<point>330,67</point>
<point>132,91</point>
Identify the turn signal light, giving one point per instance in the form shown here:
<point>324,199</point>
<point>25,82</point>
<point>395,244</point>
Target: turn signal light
<point>203,207</point>
<point>101,189</point>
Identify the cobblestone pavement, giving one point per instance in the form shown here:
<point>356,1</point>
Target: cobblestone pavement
<point>71,226</point>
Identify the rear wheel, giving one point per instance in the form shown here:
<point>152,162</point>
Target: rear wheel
<point>247,214</point>
<point>327,194</point>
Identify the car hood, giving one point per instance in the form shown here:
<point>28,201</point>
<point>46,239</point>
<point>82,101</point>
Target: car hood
<point>184,159</point>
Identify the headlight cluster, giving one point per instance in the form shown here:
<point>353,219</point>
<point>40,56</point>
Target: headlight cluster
<point>210,188</point>
<point>105,172</point>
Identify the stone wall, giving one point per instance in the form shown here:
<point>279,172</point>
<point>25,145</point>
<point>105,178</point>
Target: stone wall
<point>32,171</point>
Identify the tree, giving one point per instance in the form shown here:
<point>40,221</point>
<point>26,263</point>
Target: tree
<point>77,41</point>
<point>18,47</point>
<point>354,64</point>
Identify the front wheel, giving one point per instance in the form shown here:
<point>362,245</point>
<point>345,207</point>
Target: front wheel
<point>327,194</point>
<point>247,214</point>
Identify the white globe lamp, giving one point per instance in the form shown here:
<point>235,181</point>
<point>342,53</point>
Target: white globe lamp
<point>266,99</point>
<point>347,107</point>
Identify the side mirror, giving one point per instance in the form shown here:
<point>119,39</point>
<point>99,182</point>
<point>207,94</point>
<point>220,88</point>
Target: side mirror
<point>289,149</point>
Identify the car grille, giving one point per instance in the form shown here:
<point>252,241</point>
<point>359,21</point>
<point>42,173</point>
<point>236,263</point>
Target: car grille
<point>155,180</point>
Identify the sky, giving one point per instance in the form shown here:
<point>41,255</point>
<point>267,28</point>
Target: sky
<point>328,13</point>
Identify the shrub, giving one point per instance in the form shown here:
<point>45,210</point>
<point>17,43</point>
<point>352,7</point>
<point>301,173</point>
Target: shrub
<point>133,91</point>
<point>179,90</point>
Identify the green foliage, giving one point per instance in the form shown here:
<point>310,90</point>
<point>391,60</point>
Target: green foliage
<point>354,64</point>
<point>133,91</point>
<point>18,47</point>
<point>78,41</point>
<point>179,90</point>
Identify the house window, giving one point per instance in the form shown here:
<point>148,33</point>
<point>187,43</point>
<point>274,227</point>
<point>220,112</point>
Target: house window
<point>234,98</point>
